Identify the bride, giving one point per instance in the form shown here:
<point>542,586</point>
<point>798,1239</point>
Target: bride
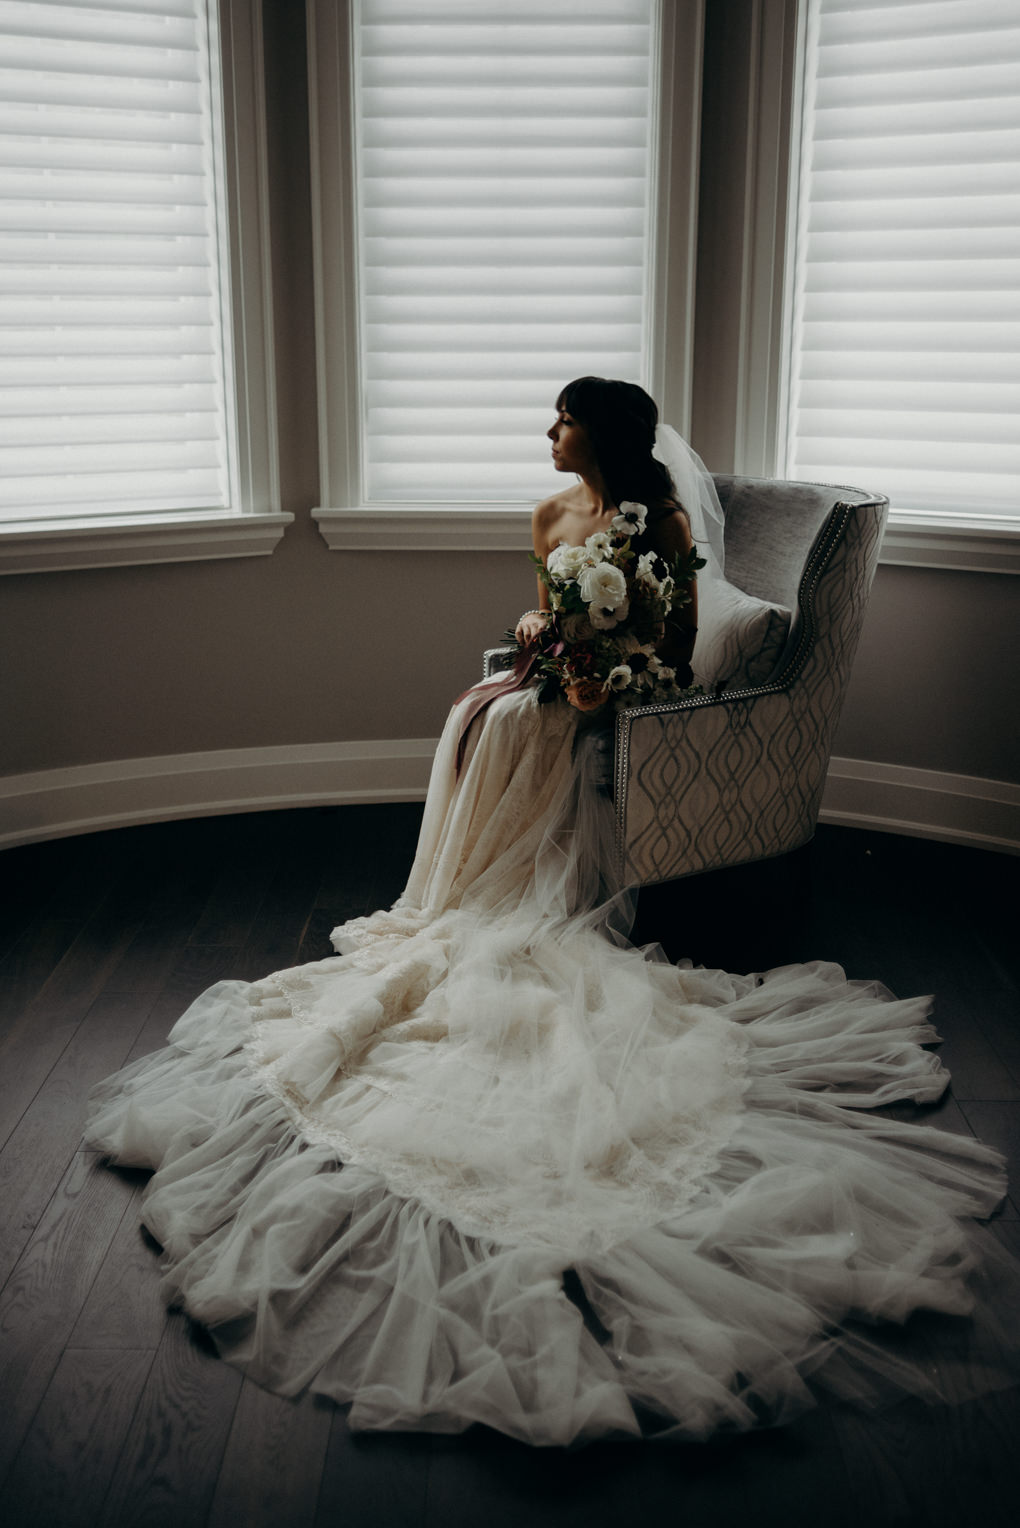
<point>491,1163</point>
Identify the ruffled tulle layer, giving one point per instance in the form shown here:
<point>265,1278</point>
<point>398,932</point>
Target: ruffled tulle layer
<point>734,1304</point>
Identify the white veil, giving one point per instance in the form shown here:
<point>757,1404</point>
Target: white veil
<point>695,489</point>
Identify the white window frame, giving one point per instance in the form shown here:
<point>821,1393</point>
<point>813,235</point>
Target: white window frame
<point>912,538</point>
<point>255,525</point>
<point>344,521</point>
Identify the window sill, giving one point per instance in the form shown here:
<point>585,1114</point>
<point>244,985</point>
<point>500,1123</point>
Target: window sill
<point>63,545</point>
<point>987,544</point>
<point>427,528</point>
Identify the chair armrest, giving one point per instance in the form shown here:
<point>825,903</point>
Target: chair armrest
<point>496,659</point>
<point>716,780</point>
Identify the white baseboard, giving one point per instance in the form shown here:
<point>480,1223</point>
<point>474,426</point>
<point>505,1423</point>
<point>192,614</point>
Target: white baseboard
<point>923,803</point>
<point>56,803</point>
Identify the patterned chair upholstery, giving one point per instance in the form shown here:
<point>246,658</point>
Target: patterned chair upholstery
<point>725,779</point>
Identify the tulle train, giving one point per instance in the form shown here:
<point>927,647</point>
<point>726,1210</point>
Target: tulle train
<point>738,1310</point>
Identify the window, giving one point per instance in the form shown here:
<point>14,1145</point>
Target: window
<point>507,205</point>
<point>905,365</point>
<point>503,215</point>
<point>125,431</point>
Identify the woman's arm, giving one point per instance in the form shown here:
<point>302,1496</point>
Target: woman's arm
<point>529,625</point>
<point>669,536</point>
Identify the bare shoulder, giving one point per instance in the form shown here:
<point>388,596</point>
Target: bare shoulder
<point>547,518</point>
<point>669,528</point>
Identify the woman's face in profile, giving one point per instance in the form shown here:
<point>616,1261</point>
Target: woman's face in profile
<point>571,448</point>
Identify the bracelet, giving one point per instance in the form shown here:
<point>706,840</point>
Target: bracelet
<point>530,612</point>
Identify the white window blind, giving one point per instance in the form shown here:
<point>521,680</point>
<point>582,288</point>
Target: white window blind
<point>114,356</point>
<point>905,373</point>
<point>503,170</point>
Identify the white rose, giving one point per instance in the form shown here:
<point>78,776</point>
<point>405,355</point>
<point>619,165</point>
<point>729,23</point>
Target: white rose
<point>603,585</point>
<point>567,561</point>
<point>604,619</point>
<point>630,519</point>
<point>598,546</point>
<point>619,677</point>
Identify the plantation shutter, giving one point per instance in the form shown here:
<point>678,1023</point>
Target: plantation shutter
<point>114,351</point>
<point>503,153</point>
<point>906,365</point>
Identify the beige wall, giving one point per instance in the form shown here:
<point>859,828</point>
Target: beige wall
<point>315,646</point>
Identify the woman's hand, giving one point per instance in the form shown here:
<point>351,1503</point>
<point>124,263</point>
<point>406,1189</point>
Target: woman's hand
<point>530,626</point>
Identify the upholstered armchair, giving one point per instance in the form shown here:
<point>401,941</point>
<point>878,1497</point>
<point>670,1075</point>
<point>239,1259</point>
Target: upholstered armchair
<point>730,777</point>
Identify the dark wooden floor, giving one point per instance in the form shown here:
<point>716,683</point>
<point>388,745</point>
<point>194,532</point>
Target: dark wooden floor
<point>114,1412</point>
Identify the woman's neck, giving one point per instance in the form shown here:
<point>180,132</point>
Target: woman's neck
<point>595,496</point>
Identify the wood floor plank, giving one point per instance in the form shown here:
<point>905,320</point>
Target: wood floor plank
<point>30,963</point>
<point>792,1477</point>
<point>373,1480</point>
<point>40,1302</point>
<point>273,1462</point>
<point>997,1012</point>
<point>484,1477</point>
<point>998,1124</point>
<point>32,1045</point>
<point>93,868</point>
<point>315,942</point>
<point>965,1012</point>
<point>195,968</point>
<point>926,1465</point>
<point>995,891</point>
<point>125,1308</point>
<point>64,1469</point>
<point>28,874</point>
<point>278,929</point>
<point>369,860</point>
<point>167,1474</point>
<point>239,888</point>
<point>172,911</point>
<point>37,1152</point>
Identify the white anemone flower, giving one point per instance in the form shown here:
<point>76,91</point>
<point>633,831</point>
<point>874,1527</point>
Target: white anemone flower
<point>630,519</point>
<point>619,677</point>
<point>599,545</point>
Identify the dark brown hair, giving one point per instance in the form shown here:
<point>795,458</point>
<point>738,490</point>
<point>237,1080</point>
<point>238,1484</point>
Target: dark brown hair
<point>620,420</point>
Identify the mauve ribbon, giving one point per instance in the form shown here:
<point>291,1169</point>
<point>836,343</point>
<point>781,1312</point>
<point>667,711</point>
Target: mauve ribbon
<point>482,696</point>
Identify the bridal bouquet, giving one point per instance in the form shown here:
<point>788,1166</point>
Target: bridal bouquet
<point>609,607</point>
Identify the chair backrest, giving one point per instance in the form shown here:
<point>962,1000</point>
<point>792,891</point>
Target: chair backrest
<point>775,535</point>
<point>771,529</point>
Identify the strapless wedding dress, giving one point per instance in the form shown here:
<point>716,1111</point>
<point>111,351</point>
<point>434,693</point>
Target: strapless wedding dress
<point>490,1163</point>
